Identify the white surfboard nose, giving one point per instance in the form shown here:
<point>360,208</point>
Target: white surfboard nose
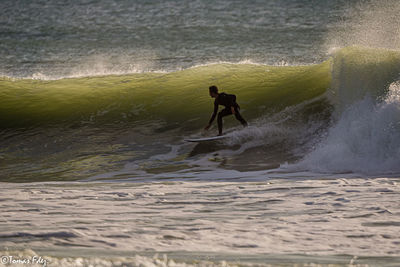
<point>206,138</point>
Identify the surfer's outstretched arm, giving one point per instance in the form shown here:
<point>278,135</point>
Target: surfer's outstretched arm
<point>212,116</point>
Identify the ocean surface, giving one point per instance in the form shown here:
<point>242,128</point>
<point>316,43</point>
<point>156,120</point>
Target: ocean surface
<point>97,98</point>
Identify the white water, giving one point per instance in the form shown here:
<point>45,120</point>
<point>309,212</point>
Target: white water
<point>365,140</point>
<point>358,217</point>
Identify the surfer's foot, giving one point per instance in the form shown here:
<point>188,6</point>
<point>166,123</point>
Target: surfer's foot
<point>220,134</point>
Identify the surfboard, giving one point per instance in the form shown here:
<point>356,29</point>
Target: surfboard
<point>205,139</point>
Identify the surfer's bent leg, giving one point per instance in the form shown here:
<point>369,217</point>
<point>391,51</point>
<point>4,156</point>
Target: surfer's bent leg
<point>222,113</point>
<point>239,117</point>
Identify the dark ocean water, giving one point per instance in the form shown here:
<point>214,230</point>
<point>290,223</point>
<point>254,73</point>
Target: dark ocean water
<point>63,38</point>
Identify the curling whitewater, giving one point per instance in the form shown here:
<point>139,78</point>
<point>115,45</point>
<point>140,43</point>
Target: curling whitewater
<point>338,116</point>
<point>365,140</point>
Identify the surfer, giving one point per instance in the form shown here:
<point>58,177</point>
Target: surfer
<point>231,107</point>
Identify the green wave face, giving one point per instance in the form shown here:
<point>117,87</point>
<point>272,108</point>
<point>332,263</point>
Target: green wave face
<point>173,97</point>
<point>78,127</point>
<point>182,96</point>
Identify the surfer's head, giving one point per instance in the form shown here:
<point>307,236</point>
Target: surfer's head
<point>213,91</point>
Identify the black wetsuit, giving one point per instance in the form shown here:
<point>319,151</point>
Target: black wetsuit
<point>228,101</point>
